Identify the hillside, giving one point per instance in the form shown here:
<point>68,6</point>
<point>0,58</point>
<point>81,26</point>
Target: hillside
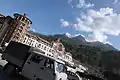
<point>80,40</point>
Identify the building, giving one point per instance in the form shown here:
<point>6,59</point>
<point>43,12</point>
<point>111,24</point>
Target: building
<point>34,41</point>
<point>22,26</point>
<point>55,49</point>
<point>13,28</point>
<point>5,23</point>
<point>1,15</point>
<point>68,58</point>
<point>16,29</point>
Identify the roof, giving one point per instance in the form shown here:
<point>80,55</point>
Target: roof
<point>1,15</point>
<point>23,16</point>
<point>38,51</point>
<point>38,38</point>
<point>68,53</point>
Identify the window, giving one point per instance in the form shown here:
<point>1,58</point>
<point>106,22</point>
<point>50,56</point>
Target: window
<point>17,37</point>
<point>26,21</point>
<point>17,34</point>
<point>36,58</point>
<point>23,24</point>
<point>23,19</point>
<point>60,67</point>
<point>39,45</point>
<point>49,63</point>
<point>44,48</point>
<point>33,42</point>
<point>49,50</point>
<point>20,31</point>
<point>60,47</point>
<point>24,41</point>
<point>19,18</point>
<point>36,45</point>
<point>16,17</point>
<point>21,27</point>
<point>30,42</point>
<point>52,51</point>
<point>1,20</point>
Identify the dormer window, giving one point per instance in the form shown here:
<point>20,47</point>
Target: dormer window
<point>23,19</point>
<point>26,21</point>
<point>16,17</point>
<point>19,18</point>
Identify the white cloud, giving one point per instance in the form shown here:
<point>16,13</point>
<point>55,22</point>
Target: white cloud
<point>99,23</point>
<point>108,43</point>
<point>64,23</point>
<point>68,35</point>
<point>31,29</point>
<point>80,4</point>
<point>115,1</point>
<point>69,1</point>
<point>78,35</point>
<point>73,35</point>
<point>97,36</point>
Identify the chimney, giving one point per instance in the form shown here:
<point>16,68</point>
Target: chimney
<point>25,15</point>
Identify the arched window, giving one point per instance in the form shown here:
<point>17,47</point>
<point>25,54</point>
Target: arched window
<point>60,47</point>
<point>39,45</point>
<point>49,50</point>
<point>45,48</point>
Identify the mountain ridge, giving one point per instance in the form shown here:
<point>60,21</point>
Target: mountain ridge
<point>78,40</point>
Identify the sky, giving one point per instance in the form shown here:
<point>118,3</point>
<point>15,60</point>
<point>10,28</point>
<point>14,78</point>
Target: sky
<point>95,20</point>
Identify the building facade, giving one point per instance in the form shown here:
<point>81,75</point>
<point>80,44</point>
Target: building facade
<point>1,15</point>
<point>37,42</point>
<point>54,49</point>
<point>13,28</point>
<point>23,24</point>
<point>5,23</point>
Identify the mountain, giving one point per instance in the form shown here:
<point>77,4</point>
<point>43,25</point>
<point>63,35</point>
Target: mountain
<point>80,40</point>
<point>101,45</point>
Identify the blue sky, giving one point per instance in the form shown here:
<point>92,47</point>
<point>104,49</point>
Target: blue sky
<point>96,20</point>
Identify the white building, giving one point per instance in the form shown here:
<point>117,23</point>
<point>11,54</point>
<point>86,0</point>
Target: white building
<point>54,49</point>
<point>34,41</point>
